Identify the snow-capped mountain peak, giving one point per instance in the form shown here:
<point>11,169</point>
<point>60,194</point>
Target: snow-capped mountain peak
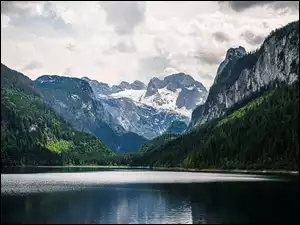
<point>150,110</point>
<point>177,92</point>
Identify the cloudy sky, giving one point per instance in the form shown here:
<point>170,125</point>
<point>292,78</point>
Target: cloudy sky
<point>115,41</point>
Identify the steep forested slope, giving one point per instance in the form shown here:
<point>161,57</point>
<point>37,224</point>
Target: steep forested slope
<point>73,99</point>
<point>157,142</point>
<point>240,76</point>
<point>262,134</point>
<point>32,133</point>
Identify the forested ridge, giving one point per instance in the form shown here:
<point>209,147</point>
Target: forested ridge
<point>157,142</point>
<point>260,133</point>
<point>286,37</point>
<point>263,134</point>
<point>33,134</point>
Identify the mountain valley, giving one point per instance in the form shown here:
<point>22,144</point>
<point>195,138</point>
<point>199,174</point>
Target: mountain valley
<point>169,122</point>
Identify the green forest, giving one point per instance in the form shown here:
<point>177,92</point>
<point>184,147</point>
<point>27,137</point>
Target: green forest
<point>33,134</point>
<point>259,132</point>
<point>264,134</point>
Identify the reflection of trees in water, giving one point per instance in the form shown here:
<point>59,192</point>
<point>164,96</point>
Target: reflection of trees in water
<point>130,204</point>
<point>155,203</point>
<point>112,204</point>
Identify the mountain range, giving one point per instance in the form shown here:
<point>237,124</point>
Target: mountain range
<point>150,110</point>
<point>32,133</point>
<point>248,118</point>
<point>123,116</point>
<point>242,74</point>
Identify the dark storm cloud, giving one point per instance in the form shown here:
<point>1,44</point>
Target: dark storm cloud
<point>240,6</point>
<point>251,38</point>
<point>293,5</point>
<point>124,16</point>
<point>32,65</point>
<point>220,36</point>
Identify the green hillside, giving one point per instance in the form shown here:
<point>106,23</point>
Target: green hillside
<point>157,142</point>
<point>33,134</point>
<point>264,134</point>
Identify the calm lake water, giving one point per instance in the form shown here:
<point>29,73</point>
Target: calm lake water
<point>93,195</point>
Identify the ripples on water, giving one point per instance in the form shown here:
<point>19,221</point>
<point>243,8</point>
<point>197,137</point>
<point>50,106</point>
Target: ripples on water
<point>43,182</point>
<point>146,197</point>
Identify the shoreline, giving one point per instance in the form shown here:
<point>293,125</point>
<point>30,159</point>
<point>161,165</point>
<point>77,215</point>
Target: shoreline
<point>176,169</point>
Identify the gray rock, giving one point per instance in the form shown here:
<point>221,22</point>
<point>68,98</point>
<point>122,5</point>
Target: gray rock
<point>276,61</point>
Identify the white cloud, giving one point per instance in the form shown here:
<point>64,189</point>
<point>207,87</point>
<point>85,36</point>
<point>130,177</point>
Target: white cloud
<point>115,41</point>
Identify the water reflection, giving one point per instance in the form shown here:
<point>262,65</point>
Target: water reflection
<point>157,203</point>
<point>112,197</point>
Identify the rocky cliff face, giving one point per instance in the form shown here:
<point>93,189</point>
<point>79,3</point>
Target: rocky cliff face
<point>277,60</point>
<point>102,89</point>
<point>177,127</point>
<point>232,55</point>
<point>98,87</point>
<point>178,92</point>
<point>150,110</point>
<point>141,119</point>
<point>74,100</point>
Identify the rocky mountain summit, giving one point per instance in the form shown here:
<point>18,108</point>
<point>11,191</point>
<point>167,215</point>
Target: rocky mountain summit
<point>242,75</point>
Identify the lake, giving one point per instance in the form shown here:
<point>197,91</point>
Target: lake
<point>94,195</point>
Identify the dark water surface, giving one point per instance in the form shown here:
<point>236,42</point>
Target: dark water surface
<point>139,196</point>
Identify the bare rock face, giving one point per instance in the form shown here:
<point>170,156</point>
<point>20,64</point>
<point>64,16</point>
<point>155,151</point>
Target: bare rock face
<point>190,92</point>
<point>187,98</point>
<point>232,55</point>
<point>75,101</point>
<point>151,89</point>
<point>241,75</point>
<point>138,85</point>
<point>149,110</point>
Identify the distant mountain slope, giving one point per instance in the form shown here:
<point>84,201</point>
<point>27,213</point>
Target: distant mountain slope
<point>250,119</point>
<point>243,74</point>
<point>150,110</point>
<point>177,127</point>
<point>157,142</point>
<point>177,93</point>
<point>102,89</point>
<point>141,119</point>
<point>74,100</point>
<point>264,134</point>
<point>33,134</point>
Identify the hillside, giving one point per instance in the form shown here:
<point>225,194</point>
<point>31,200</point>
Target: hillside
<point>33,134</point>
<point>150,110</point>
<point>73,99</point>
<point>157,142</point>
<point>242,74</point>
<point>177,127</point>
<point>264,134</point>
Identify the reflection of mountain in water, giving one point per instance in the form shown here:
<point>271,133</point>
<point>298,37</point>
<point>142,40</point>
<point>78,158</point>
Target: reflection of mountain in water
<point>228,202</point>
<point>125,204</point>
